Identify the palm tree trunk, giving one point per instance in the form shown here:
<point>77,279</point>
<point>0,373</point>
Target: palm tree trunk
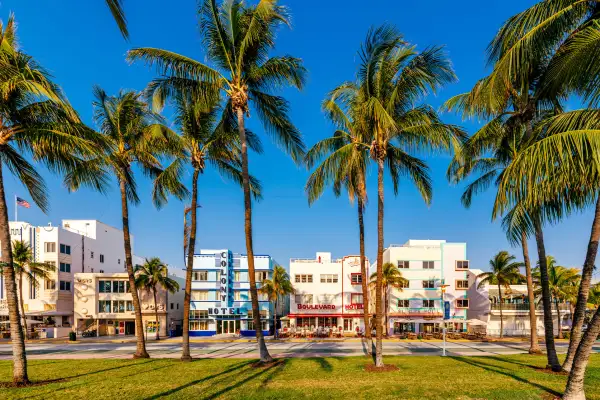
<point>574,389</point>
<point>265,357</point>
<point>16,330</point>
<point>378,288</point>
<point>363,272</point>
<point>534,347</point>
<point>22,304</point>
<point>387,310</point>
<point>584,289</point>
<point>156,314</point>
<point>185,346</point>
<point>560,336</point>
<point>139,327</point>
<point>275,320</point>
<point>501,315</point>
<point>546,298</point>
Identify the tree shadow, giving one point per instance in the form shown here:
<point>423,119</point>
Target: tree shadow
<point>243,381</point>
<point>281,365</point>
<point>324,364</point>
<point>510,361</point>
<point>496,369</point>
<point>110,369</point>
<point>233,368</point>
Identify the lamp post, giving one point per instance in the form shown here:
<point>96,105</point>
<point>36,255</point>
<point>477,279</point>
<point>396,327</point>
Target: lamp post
<point>443,289</point>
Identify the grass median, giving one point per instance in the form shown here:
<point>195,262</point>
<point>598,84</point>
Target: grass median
<point>490,377</point>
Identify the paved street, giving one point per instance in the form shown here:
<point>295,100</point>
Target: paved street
<point>239,349</point>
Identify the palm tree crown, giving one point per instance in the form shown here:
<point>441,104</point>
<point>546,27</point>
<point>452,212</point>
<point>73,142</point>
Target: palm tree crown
<point>504,271</point>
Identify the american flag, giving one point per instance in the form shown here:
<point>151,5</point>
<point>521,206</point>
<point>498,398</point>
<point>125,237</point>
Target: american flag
<point>23,203</point>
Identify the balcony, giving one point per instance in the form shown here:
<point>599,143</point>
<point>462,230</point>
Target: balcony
<point>525,307</point>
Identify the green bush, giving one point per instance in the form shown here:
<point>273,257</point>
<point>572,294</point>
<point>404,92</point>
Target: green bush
<point>72,336</point>
<point>567,335</point>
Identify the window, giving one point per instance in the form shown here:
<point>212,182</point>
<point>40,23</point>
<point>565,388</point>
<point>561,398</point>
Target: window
<point>118,261</point>
<point>356,279</point>
<point>403,264</point>
<point>65,267</point>
<point>237,276</point>
<point>119,287</point>
<point>102,258</point>
<point>428,264</point>
<point>198,320</point>
<point>104,306</point>
<point>198,314</point>
<point>462,303</point>
<point>329,278</point>
<point>65,286</point>
<point>429,284</point>
<point>91,254</point>
<point>428,303</point>
<point>403,303</point>
<point>462,264</point>
<point>50,247</point>
<point>129,305</point>
<point>462,284</point>
<point>201,325</point>
<point>404,284</point>
<point>118,306</point>
<point>178,306</point>
<point>50,284</point>
<point>240,296</point>
<point>261,275</point>
<point>303,278</point>
<point>356,298</point>
<point>65,249</point>
<point>200,276</point>
<point>200,295</point>
<point>172,305</point>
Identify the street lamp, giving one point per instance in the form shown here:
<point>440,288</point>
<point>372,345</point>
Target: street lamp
<point>443,289</point>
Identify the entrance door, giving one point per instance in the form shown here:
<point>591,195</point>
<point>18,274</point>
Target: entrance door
<point>225,326</point>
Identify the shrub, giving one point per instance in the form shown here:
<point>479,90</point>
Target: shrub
<point>72,336</point>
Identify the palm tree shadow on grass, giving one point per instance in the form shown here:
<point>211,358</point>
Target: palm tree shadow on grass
<point>324,364</point>
<point>495,369</point>
<point>511,361</point>
<point>248,379</point>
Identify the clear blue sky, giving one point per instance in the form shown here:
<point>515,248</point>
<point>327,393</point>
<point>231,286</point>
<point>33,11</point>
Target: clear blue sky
<point>80,44</point>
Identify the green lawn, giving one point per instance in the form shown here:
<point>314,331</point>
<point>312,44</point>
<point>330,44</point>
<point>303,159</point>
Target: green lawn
<point>506,377</point>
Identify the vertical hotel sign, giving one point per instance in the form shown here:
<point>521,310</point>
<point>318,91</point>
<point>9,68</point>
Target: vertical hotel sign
<point>224,268</point>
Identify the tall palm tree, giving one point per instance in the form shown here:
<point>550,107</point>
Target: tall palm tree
<point>504,271</point>
<point>136,136</point>
<point>344,165</point>
<point>238,39</point>
<point>206,140</point>
<point>152,276</point>
<point>277,288</point>
<point>118,14</point>
<point>391,80</point>
<point>27,269</point>
<point>562,281</point>
<point>391,277</point>
<point>36,122</point>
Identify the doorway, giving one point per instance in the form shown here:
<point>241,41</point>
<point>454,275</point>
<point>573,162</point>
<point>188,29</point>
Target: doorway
<point>227,326</point>
<point>130,327</point>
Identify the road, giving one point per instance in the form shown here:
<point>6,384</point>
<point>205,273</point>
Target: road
<point>245,349</point>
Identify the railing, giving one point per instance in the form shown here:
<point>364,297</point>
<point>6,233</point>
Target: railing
<point>525,307</point>
<point>312,260</point>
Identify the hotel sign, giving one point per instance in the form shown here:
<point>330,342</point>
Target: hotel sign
<point>353,307</point>
<point>224,311</point>
<point>316,306</point>
<point>224,265</point>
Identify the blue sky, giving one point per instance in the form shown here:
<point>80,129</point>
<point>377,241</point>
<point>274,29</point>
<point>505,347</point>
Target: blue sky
<point>79,43</point>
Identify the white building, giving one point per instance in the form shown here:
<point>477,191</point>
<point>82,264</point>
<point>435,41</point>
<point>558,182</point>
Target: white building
<point>78,246</point>
<point>328,292</point>
<point>428,265</point>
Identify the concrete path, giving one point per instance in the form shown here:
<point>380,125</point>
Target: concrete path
<point>245,349</point>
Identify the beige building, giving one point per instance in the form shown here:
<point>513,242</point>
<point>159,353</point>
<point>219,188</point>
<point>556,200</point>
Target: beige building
<point>102,303</point>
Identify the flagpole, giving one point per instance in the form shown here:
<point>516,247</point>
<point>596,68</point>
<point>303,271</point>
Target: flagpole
<point>16,210</point>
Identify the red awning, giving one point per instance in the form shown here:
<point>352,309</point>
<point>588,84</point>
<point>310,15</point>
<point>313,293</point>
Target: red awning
<point>314,315</point>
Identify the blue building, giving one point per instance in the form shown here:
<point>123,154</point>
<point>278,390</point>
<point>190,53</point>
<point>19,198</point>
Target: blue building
<point>220,301</point>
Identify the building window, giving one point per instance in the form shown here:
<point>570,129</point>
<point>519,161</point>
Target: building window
<point>104,306</point>
<point>462,303</point>
<point>462,264</point>
<point>329,278</point>
<point>50,247</point>
<point>50,284</point>
<point>403,303</point>
<point>428,303</point>
<point>65,286</point>
<point>104,286</point>
<point>199,325</point>
<point>200,276</point>
<point>403,284</point>
<point>430,284</point>
<point>356,298</point>
<point>240,296</point>
<point>102,258</point>
<point>261,275</point>
<point>65,267</point>
<point>237,276</point>
<point>65,249</point>
<point>91,254</point>
<point>303,278</point>
<point>119,261</point>
<point>119,287</point>
<point>462,284</point>
<point>356,279</point>
<point>129,305</point>
<point>198,314</point>
<point>178,306</point>
<point>172,305</point>
<point>403,264</point>
<point>428,264</point>
<point>200,295</point>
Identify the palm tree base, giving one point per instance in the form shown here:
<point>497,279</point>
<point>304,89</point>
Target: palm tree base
<point>535,351</point>
<point>21,382</point>
<point>186,358</point>
<point>141,355</point>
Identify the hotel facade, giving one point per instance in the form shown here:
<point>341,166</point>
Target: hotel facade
<point>220,303</point>
<point>328,293</point>
<point>428,266</point>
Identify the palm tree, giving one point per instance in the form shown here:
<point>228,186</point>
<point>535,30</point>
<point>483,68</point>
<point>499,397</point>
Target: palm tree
<point>206,140</point>
<point>36,122</point>
<point>118,14</point>
<point>344,165</point>
<point>276,288</point>
<point>135,136</point>
<point>562,282</point>
<point>151,276</point>
<point>391,277</point>
<point>594,298</point>
<point>504,271</point>
<point>238,39</point>
<point>391,80</point>
<point>26,268</point>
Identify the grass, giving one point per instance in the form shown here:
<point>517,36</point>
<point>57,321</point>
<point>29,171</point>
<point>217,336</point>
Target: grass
<point>498,377</point>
